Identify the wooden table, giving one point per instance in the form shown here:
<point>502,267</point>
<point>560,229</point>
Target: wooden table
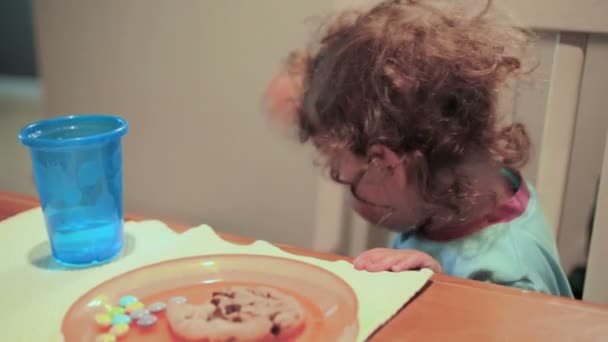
<point>452,309</point>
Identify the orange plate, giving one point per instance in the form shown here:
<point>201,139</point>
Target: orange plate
<point>330,303</point>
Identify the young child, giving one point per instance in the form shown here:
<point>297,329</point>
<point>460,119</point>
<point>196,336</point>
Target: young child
<point>401,100</point>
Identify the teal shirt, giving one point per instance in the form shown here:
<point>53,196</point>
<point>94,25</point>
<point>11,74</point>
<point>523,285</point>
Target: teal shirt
<point>520,253</point>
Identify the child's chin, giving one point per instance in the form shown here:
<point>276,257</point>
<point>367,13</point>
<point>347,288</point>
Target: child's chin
<point>399,227</point>
<point>378,218</point>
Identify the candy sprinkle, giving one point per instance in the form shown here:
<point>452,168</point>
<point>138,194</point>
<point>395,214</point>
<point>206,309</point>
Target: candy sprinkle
<point>100,300</point>
<point>147,321</point>
<point>105,338</point>
<point>134,306</point>
<point>120,330</point>
<point>116,310</point>
<point>157,307</point>
<point>137,314</point>
<point>126,300</point>
<point>118,319</point>
<point>103,320</point>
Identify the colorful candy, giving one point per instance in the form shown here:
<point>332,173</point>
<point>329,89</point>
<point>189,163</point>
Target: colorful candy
<point>103,320</point>
<point>116,310</point>
<point>120,330</point>
<point>126,300</point>
<point>147,321</point>
<point>118,319</point>
<point>100,300</point>
<point>157,307</point>
<point>134,306</point>
<point>105,338</point>
<point>137,314</point>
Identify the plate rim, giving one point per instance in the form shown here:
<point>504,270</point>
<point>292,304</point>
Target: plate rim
<point>260,256</point>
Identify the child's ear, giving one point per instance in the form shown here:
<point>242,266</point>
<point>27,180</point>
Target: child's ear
<point>282,99</point>
<point>283,96</point>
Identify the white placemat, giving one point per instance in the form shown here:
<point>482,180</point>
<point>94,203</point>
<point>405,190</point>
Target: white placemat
<point>36,290</point>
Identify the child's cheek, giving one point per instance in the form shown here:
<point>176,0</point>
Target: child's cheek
<point>369,213</point>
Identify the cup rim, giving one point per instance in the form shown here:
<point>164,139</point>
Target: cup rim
<point>30,134</point>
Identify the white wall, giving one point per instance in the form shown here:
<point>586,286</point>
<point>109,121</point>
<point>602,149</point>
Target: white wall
<point>189,77</point>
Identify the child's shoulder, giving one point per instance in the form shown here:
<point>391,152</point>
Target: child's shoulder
<point>519,253</point>
<point>532,224</point>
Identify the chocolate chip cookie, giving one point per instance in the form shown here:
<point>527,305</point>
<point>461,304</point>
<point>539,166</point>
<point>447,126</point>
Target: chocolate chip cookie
<point>238,313</point>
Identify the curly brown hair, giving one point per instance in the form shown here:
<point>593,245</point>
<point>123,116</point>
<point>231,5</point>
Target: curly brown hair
<point>415,76</point>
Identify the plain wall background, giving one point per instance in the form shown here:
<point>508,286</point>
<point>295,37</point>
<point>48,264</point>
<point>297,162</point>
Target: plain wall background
<point>189,78</point>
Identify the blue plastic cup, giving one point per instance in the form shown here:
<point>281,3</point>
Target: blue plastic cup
<point>77,163</point>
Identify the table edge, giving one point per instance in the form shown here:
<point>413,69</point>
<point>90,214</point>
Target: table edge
<point>20,202</point>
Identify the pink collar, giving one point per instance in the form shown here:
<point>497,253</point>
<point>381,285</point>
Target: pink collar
<point>506,212</point>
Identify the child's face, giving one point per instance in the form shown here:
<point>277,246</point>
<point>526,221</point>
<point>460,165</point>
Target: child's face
<point>379,192</point>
